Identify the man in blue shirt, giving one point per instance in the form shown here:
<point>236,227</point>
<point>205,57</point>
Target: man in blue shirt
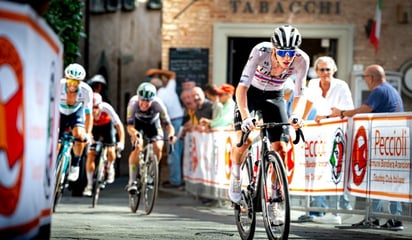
<point>383,99</point>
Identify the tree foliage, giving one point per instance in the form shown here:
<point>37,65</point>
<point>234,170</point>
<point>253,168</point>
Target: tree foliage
<point>65,17</point>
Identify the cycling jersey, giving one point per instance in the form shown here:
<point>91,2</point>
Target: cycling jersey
<point>157,111</point>
<point>107,114</point>
<point>257,70</point>
<point>84,98</point>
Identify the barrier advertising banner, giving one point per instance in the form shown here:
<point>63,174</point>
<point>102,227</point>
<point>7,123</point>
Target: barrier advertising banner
<point>30,67</point>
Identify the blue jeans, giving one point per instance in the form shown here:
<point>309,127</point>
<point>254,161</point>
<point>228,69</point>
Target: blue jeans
<point>395,208</point>
<point>174,159</point>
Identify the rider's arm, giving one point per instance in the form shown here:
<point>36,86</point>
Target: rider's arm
<point>132,133</point>
<point>168,74</point>
<point>120,132</point>
<point>241,97</point>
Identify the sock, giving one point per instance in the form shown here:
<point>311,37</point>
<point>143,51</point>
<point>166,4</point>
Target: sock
<point>89,176</point>
<point>132,173</point>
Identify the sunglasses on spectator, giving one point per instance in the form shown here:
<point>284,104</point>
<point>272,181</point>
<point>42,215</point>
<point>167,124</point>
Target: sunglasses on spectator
<point>283,53</point>
<point>324,69</point>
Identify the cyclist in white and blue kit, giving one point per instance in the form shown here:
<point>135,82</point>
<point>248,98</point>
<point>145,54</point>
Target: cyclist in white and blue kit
<point>269,65</point>
<point>76,103</point>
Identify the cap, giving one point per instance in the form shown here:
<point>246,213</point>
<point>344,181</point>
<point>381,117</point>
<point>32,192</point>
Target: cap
<point>227,88</point>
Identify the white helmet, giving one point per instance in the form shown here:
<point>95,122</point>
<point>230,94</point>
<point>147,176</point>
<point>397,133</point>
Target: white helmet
<point>75,71</point>
<point>286,37</point>
<point>98,79</point>
<point>146,91</point>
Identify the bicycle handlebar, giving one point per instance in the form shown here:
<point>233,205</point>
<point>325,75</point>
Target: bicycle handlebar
<point>299,132</point>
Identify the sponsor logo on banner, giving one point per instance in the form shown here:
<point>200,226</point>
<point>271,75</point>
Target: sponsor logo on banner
<point>228,157</point>
<point>337,156</point>
<point>11,127</point>
<point>359,155</point>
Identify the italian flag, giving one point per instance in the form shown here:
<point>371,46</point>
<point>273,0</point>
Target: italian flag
<point>376,27</point>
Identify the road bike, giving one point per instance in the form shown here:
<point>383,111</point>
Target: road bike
<point>63,163</point>
<point>100,174</point>
<point>259,179</point>
<point>147,180</point>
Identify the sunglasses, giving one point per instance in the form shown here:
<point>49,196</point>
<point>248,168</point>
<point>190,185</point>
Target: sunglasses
<point>324,69</point>
<point>73,82</point>
<point>283,53</point>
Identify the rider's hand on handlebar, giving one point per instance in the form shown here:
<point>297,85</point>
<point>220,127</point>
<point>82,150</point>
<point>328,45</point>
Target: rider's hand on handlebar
<point>248,124</point>
<point>120,146</point>
<point>295,121</point>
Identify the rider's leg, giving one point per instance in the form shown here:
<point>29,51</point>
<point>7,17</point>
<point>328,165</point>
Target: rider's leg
<point>238,154</point>
<point>90,168</point>
<point>158,149</point>
<point>78,147</point>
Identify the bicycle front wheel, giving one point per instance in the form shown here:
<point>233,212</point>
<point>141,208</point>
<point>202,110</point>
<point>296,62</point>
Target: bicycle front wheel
<point>58,186</point>
<point>245,212</point>
<point>150,183</point>
<point>275,197</point>
<point>98,180</point>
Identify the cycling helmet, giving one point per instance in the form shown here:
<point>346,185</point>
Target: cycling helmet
<point>97,99</point>
<point>286,37</point>
<point>75,71</point>
<point>98,79</point>
<point>146,91</point>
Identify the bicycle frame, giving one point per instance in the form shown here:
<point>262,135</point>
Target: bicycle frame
<point>62,165</point>
<point>257,197</point>
<point>148,179</point>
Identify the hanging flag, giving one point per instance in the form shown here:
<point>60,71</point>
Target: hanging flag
<point>376,27</point>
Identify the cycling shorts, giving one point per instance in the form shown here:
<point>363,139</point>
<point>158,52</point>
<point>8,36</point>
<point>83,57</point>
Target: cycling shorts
<point>105,133</point>
<point>68,122</point>
<point>153,130</point>
<point>271,107</point>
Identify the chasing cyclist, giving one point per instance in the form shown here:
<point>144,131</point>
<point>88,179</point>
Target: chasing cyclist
<point>147,113</point>
<point>106,123</point>
<point>76,112</point>
<point>261,88</point>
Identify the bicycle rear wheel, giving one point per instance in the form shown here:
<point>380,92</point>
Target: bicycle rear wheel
<point>245,215</point>
<point>98,180</point>
<point>151,183</point>
<point>275,198</point>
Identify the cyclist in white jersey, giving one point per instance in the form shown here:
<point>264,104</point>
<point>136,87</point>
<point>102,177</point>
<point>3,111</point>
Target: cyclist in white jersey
<point>106,123</point>
<point>76,112</point>
<point>261,88</point>
<point>147,113</point>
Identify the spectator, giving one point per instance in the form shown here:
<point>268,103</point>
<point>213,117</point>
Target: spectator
<point>212,93</point>
<point>225,116</point>
<point>326,92</point>
<point>189,117</point>
<point>99,85</point>
<point>382,99</point>
<point>203,106</point>
<point>166,91</point>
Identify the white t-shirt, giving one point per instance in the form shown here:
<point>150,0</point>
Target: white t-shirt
<point>170,98</point>
<point>338,95</point>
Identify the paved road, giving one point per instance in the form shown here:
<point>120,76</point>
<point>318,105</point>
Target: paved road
<point>178,215</point>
